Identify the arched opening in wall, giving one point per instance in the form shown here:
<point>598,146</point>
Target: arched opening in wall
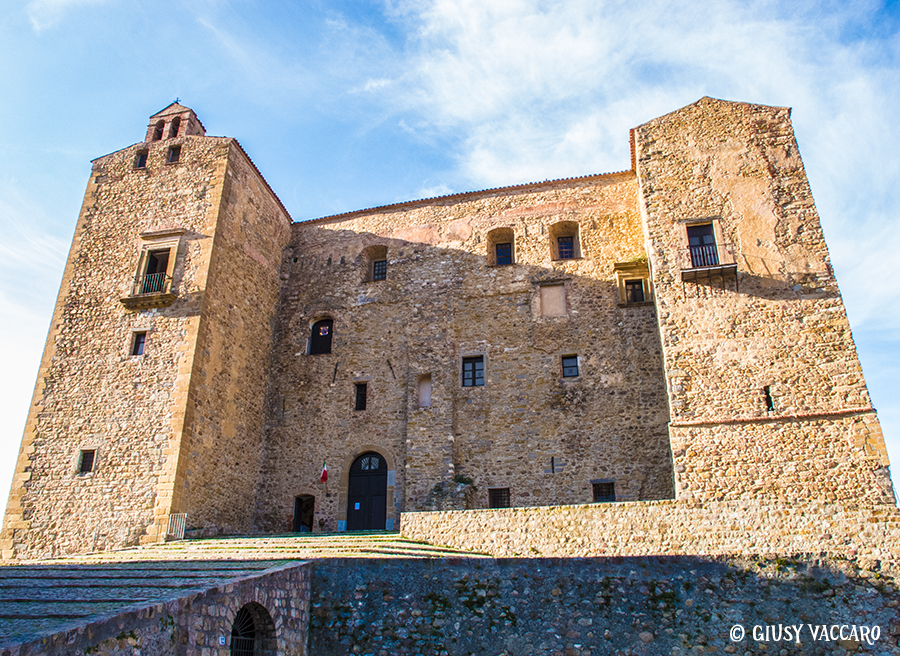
<point>158,130</point>
<point>320,337</point>
<point>374,260</point>
<point>367,493</point>
<point>565,241</point>
<point>304,511</point>
<point>173,127</point>
<point>501,247</point>
<point>253,632</point>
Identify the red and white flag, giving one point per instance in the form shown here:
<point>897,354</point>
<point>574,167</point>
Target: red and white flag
<point>324,477</point>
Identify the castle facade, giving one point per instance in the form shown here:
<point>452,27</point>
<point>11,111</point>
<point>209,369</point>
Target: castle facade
<point>670,331</point>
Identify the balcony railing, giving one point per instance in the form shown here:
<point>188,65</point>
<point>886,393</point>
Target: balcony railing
<point>150,290</point>
<point>152,283</point>
<point>708,260</point>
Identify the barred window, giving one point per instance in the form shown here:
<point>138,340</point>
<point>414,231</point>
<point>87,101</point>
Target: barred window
<point>379,270</point>
<point>504,254</point>
<point>498,497</point>
<point>86,461</point>
<point>604,492</point>
<point>361,389</point>
<point>566,247</point>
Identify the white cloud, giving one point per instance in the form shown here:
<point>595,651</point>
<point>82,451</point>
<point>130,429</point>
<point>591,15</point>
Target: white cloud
<point>49,13</point>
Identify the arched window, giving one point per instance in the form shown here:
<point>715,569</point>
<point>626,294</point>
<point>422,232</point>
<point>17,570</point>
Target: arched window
<point>158,131</point>
<point>375,262</point>
<point>173,127</point>
<point>320,337</point>
<point>564,241</point>
<point>501,247</point>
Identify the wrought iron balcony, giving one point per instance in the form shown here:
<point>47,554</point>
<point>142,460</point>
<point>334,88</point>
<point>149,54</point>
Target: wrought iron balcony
<point>150,290</point>
<point>708,260</point>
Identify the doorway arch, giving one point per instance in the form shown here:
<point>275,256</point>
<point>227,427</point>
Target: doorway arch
<point>253,632</point>
<point>367,493</point>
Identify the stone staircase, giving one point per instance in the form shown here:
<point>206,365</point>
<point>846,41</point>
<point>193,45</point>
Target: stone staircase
<point>294,546</point>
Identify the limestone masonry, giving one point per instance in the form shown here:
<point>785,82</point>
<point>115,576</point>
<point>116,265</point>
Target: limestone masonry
<point>673,333</point>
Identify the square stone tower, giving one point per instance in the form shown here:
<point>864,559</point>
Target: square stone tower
<point>766,393</point>
<point>151,391</point>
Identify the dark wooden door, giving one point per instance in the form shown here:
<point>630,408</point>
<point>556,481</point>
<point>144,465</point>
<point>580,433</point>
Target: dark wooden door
<point>304,511</point>
<point>367,493</point>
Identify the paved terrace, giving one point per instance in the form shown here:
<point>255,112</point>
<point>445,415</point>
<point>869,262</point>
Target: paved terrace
<point>40,598</point>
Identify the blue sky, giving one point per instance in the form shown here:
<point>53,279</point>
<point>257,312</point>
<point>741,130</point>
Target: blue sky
<point>345,105</point>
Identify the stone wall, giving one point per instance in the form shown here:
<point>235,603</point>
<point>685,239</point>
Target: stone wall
<point>91,392</point>
<point>195,624</point>
<point>529,429</point>
<point>591,607</point>
<point>768,321</point>
<point>666,527</point>
<point>220,459</point>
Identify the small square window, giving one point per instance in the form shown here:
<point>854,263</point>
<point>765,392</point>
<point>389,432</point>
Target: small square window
<point>604,492</point>
<point>86,461</point>
<point>473,371</point>
<point>570,366</point>
<point>379,270</point>
<point>498,497</point>
<point>504,254</point>
<point>566,247</point>
<point>634,291</point>
<point>174,155</point>
<point>137,343</point>
<point>361,389</point>
<point>140,161</point>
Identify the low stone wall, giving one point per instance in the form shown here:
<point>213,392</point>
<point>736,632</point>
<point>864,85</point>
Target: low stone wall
<point>644,606</point>
<point>198,623</point>
<point>665,527</point>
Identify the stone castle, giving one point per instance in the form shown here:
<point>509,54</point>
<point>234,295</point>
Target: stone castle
<point>670,332</point>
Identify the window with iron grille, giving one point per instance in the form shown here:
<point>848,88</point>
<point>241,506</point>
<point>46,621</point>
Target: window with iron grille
<point>361,389</point>
<point>473,371</point>
<point>634,291</point>
<point>604,491</point>
<point>86,461</point>
<point>570,366</point>
<point>379,270</point>
<point>504,254</point>
<point>702,244</point>
<point>566,246</point>
<point>498,497</point>
<point>137,344</point>
<point>153,279</point>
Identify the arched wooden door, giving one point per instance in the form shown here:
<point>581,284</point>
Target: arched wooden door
<point>367,493</point>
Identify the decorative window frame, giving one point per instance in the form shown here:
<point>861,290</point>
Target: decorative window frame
<point>154,242</point>
<point>638,270</point>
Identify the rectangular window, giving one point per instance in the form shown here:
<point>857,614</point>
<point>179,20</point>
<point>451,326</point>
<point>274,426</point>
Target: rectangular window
<point>702,242</point>
<point>570,366</point>
<point>425,391</point>
<point>604,492</point>
<point>770,402</point>
<point>137,344</point>
<point>473,371</point>
<point>504,254</point>
<point>154,276</point>
<point>379,270</point>
<point>174,155</point>
<point>566,247</point>
<point>86,461</point>
<point>498,497</point>
<point>360,396</point>
<point>141,160</point>
<point>634,291</point>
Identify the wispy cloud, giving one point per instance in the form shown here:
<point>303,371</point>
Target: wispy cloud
<point>49,13</point>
